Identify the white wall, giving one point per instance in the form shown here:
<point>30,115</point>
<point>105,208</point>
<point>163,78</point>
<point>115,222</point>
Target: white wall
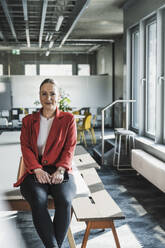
<point>139,9</point>
<point>5,94</point>
<point>84,91</point>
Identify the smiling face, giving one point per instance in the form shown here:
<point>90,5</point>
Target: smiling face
<point>49,96</point>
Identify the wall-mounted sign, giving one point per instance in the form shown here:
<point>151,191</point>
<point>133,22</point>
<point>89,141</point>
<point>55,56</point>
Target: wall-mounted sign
<point>16,51</point>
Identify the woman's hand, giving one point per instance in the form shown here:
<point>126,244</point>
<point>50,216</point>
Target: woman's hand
<point>42,176</point>
<point>57,177</point>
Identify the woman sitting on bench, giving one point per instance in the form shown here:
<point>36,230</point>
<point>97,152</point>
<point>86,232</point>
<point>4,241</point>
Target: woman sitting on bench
<point>48,140</point>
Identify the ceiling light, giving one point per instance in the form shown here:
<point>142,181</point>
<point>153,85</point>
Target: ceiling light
<point>1,35</point>
<point>59,23</point>
<point>50,37</point>
<point>28,37</point>
<point>47,36</point>
<point>51,44</point>
<point>94,48</point>
<point>47,53</point>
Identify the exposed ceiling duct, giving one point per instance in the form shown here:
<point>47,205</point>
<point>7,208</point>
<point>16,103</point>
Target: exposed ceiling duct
<point>81,6</point>
<point>8,17</point>
<point>59,25</point>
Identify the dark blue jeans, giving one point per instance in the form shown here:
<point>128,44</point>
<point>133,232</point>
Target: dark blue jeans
<point>50,232</point>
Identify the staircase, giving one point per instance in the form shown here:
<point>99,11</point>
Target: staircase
<point>109,143</point>
<point>103,152</point>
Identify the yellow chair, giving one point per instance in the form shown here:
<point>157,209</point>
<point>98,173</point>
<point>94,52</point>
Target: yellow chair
<point>92,129</point>
<point>76,112</point>
<point>86,126</point>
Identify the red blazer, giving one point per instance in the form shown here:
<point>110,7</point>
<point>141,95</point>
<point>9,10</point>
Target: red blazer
<point>59,147</point>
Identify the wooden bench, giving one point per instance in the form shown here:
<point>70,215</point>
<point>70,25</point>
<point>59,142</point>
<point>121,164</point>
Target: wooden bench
<point>18,203</point>
<point>98,210</point>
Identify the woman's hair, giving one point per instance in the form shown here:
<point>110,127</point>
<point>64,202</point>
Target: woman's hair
<point>50,81</point>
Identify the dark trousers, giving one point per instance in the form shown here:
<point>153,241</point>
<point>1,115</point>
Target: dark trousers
<point>50,232</point>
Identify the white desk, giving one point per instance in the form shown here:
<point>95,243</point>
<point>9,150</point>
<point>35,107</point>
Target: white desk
<point>79,116</point>
<point>10,153</point>
<point>9,137</point>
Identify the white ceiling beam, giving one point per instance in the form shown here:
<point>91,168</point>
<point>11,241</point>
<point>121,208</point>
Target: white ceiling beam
<point>25,11</point>
<point>44,9</point>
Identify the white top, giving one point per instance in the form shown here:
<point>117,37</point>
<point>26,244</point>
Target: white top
<point>45,125</point>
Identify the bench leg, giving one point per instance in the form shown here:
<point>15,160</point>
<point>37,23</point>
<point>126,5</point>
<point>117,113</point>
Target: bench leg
<point>87,231</point>
<point>115,235</point>
<point>71,240</point>
<point>99,225</point>
<point>70,237</point>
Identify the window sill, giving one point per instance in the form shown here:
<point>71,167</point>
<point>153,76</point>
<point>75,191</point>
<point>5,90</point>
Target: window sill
<point>149,145</point>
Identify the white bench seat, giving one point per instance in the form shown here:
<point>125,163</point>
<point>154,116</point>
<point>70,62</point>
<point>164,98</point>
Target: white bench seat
<point>85,161</point>
<point>150,167</point>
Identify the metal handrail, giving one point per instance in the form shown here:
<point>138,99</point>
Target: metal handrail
<point>102,121</point>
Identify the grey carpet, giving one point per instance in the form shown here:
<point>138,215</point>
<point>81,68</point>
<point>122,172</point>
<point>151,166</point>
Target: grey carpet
<point>142,203</point>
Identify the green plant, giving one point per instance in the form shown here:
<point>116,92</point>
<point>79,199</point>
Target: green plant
<point>64,101</point>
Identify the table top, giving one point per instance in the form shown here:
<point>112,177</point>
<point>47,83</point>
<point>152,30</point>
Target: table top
<point>10,137</point>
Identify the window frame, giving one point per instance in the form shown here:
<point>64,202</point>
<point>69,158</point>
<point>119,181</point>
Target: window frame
<point>133,31</point>
<point>1,65</point>
<point>157,16</point>
<point>148,21</point>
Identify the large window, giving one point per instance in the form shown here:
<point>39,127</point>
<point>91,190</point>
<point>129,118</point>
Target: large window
<point>135,76</point>
<point>1,69</point>
<point>146,75</point>
<point>57,70</point>
<point>150,86</point>
<point>30,70</point>
<point>83,69</point>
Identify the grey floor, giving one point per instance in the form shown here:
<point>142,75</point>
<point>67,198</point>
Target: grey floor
<point>141,202</point>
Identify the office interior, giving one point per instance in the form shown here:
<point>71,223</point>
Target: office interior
<point>104,51</point>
